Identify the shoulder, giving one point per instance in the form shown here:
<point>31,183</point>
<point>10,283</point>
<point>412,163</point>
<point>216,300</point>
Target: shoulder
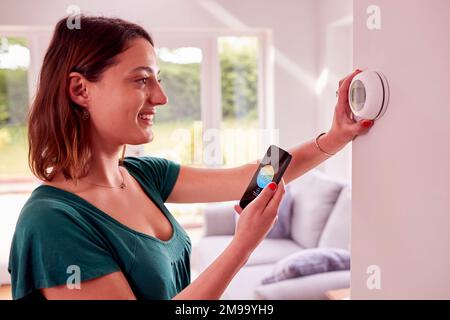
<point>148,162</point>
<point>158,173</point>
<point>154,168</point>
<point>42,214</point>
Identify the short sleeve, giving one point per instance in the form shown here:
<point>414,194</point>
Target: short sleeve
<point>159,172</point>
<point>54,246</point>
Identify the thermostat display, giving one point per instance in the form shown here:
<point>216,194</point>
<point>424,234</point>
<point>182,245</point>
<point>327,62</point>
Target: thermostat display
<point>368,95</point>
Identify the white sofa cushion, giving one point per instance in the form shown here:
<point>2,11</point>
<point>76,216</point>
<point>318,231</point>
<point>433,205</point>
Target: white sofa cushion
<point>336,233</point>
<point>311,287</point>
<point>268,251</point>
<point>11,207</point>
<point>243,285</point>
<point>314,196</point>
<point>219,219</point>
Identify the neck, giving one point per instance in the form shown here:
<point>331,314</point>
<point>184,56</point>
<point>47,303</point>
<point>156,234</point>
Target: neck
<point>104,164</point>
<point>104,168</point>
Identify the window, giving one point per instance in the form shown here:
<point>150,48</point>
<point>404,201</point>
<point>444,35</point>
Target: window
<point>214,84</point>
<point>239,99</point>
<point>14,64</point>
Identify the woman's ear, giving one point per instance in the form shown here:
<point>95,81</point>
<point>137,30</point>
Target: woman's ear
<point>78,90</point>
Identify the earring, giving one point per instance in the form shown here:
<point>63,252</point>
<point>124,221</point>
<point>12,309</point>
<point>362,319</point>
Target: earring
<point>85,115</point>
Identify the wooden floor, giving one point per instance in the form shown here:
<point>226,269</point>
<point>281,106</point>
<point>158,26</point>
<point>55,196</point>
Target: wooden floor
<point>5,293</point>
<point>340,294</point>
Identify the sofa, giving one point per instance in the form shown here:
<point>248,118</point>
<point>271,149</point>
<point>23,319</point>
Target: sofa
<point>11,205</point>
<point>320,216</point>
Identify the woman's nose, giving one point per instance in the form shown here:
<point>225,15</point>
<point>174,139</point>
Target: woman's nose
<point>157,96</point>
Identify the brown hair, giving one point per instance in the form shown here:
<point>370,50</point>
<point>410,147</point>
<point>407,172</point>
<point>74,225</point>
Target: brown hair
<point>58,137</point>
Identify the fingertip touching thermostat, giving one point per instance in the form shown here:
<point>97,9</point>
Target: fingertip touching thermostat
<point>368,95</point>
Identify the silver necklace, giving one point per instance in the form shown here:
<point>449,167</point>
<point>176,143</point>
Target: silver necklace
<point>121,186</point>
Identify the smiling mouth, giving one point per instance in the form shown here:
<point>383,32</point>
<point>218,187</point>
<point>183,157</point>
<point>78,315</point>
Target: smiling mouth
<point>146,117</point>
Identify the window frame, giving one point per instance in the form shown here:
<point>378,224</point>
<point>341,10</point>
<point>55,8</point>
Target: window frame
<point>37,39</point>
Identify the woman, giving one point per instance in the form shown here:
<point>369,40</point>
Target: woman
<point>101,219</point>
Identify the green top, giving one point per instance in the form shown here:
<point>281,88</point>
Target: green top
<point>59,233</point>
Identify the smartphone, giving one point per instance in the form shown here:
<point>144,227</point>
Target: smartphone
<point>271,168</point>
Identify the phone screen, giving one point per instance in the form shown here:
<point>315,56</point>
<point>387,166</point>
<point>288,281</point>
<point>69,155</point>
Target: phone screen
<point>271,168</point>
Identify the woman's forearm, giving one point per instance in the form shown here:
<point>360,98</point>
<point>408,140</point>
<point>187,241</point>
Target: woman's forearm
<point>307,156</point>
<point>212,282</point>
<point>304,157</point>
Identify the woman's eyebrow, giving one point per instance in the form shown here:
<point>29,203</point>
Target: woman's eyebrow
<point>145,68</point>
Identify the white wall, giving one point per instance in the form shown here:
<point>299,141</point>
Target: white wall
<point>401,171</point>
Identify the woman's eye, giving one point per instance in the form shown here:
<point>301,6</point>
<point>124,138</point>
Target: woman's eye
<point>142,81</point>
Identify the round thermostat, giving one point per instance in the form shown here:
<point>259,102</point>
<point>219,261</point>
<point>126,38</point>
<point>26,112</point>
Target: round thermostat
<point>368,95</point>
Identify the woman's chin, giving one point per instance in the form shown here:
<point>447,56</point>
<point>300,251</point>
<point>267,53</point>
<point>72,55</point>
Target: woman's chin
<point>148,136</point>
<point>144,137</point>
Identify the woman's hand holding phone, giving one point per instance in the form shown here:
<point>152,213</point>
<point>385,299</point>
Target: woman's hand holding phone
<point>258,217</point>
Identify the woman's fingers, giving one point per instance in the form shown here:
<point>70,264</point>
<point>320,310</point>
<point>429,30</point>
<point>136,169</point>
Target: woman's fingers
<point>344,84</point>
<point>362,127</point>
<point>342,106</point>
<point>274,203</point>
<point>261,201</point>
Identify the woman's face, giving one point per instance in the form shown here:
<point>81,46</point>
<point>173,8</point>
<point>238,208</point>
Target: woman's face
<point>123,103</point>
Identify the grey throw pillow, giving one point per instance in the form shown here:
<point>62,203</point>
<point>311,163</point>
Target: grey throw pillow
<point>309,261</point>
<point>282,228</point>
